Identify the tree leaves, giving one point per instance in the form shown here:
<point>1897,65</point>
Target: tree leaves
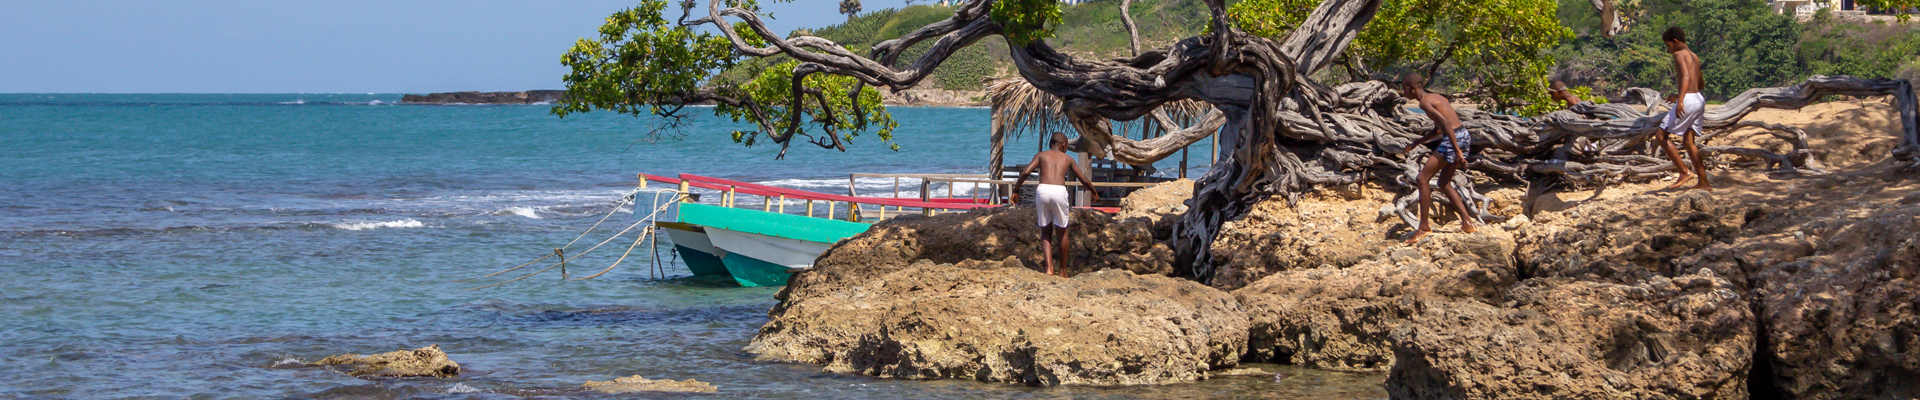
<point>643,64</point>
<point>1023,21</point>
<point>1493,51</point>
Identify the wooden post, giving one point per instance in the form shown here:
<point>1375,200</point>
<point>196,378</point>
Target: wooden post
<point>1183,162</point>
<point>896,187</point>
<point>643,180</point>
<point>733,193</point>
<point>1215,153</point>
<point>810,208</point>
<point>1081,198</point>
<point>926,196</point>
<point>563,262</point>
<point>685,197</point>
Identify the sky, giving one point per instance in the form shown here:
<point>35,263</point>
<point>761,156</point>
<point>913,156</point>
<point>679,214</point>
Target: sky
<point>336,46</point>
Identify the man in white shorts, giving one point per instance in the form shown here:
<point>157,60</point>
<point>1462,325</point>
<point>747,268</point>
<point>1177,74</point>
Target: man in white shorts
<point>1051,199</point>
<point>1688,111</point>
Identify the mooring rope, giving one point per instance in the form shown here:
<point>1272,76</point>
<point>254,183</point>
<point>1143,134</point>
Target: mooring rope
<point>644,233</point>
<point>623,256</point>
<point>616,209</point>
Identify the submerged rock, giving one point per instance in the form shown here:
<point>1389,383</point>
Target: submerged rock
<point>636,383</point>
<point>998,322</point>
<point>1690,337</point>
<point>422,362</point>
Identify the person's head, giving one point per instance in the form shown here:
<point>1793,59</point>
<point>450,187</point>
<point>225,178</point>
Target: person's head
<point>1675,38</point>
<point>1412,83</point>
<point>1059,141</point>
<point>1558,86</point>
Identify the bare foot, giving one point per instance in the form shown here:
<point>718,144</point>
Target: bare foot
<point>1417,235</point>
<point>1703,186</point>
<point>1677,183</point>
<point>1467,228</point>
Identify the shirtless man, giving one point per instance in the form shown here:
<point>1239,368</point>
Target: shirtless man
<point>1560,93</point>
<point>1688,109</point>
<point>1446,158</point>
<point>1051,197</point>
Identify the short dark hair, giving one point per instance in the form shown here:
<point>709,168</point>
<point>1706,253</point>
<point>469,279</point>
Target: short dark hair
<point>1674,34</point>
<point>1413,78</point>
<point>1557,85</point>
<point>1059,138</point>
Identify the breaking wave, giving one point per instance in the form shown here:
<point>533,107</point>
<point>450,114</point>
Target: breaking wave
<point>359,226</point>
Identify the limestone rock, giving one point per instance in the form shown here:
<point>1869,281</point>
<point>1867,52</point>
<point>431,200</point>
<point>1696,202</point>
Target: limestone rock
<point>636,383</point>
<point>990,322</point>
<point>1097,241</point>
<point>1340,318</point>
<point>425,361</point>
<point>1841,307</point>
<point>1276,237</point>
<point>1688,337</point>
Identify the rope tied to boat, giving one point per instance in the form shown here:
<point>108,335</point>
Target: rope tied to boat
<point>560,251</point>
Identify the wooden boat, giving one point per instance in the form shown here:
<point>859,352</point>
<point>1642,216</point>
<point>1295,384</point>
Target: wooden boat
<point>764,247</point>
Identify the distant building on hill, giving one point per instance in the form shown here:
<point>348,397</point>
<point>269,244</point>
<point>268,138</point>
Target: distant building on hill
<point>1809,7</point>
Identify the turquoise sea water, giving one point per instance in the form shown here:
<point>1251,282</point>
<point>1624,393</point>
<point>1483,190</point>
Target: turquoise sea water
<point>169,246</point>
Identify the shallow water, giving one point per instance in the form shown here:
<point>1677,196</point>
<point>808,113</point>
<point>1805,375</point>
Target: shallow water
<point>205,246</point>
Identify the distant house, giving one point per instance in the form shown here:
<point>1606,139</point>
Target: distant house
<point>1808,7</point>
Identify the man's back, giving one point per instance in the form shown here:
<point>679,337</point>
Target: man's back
<point>1441,111</point>
<point>1687,65</point>
<point>1054,166</point>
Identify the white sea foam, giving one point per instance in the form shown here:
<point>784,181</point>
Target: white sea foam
<point>358,226</point>
<point>459,388</point>
<point>289,360</point>
<point>528,212</point>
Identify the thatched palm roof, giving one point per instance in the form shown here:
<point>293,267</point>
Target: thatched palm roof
<point>1018,106</point>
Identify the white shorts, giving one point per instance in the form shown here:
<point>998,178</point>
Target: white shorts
<point>1693,120</point>
<point>1051,200</point>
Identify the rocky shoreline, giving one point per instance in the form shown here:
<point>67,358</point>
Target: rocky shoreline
<point>526,97</point>
<point>1776,285</point>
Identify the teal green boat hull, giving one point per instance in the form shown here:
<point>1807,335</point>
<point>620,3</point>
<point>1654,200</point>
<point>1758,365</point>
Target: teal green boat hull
<point>751,272</point>
<point>699,262</point>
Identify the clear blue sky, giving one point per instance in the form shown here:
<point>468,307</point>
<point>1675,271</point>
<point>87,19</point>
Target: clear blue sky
<point>341,46</point>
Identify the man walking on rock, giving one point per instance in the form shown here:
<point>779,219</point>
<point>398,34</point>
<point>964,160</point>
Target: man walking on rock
<point>1689,109</point>
<point>1051,199</point>
<point>1447,158</point>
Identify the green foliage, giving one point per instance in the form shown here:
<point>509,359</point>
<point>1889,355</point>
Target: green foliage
<point>775,86</point>
<point>639,60</point>
<point>1830,46</point>
<point>1493,50</point>
<point>1582,92</point>
<point>1023,21</point>
<point>1742,44</point>
<point>643,64</point>
<point>1898,6</point>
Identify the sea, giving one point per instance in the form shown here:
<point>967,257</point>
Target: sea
<point>210,246</point>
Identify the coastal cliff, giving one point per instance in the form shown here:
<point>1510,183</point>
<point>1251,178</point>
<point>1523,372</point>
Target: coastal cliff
<point>1778,284</point>
<point>526,97</point>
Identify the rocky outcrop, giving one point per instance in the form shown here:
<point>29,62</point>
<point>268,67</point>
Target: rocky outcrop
<point>1340,227</point>
<point>527,97</point>
<point>1003,322</point>
<point>422,362</point>
<point>1825,264</point>
<point>638,384</point>
<point>1340,318</point>
<point>1097,241</point>
<point>935,98</point>
<point>1689,337</point>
